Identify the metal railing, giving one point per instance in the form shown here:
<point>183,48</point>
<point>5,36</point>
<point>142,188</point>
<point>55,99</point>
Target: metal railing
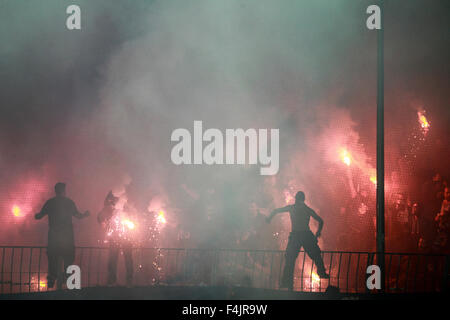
<point>24,269</point>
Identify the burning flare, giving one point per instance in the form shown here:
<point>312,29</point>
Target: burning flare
<point>129,224</point>
<point>423,121</point>
<point>161,218</point>
<point>16,211</point>
<point>315,278</point>
<point>345,156</point>
<point>42,284</point>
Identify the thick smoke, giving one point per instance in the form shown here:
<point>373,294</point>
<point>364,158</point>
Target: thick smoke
<point>95,108</point>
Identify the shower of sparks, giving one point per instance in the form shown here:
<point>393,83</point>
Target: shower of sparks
<point>417,137</point>
<point>121,227</point>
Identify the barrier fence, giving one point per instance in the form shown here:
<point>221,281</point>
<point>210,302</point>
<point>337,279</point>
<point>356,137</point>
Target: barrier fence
<point>24,269</point>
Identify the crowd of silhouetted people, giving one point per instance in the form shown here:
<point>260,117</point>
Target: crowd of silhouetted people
<point>411,226</point>
<point>422,225</point>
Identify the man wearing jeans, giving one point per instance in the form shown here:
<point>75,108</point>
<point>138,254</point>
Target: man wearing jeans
<point>300,236</point>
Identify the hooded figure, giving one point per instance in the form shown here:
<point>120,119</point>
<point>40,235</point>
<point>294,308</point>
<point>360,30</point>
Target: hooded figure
<point>110,218</point>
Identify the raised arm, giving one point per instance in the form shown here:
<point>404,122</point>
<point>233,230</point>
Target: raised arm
<point>277,211</point>
<point>319,220</point>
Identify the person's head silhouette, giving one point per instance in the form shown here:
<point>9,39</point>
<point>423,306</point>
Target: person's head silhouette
<point>300,197</point>
<point>60,189</point>
<point>111,199</point>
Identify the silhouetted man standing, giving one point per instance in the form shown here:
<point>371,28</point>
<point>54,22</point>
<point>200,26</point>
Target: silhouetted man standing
<point>300,236</point>
<point>61,244</point>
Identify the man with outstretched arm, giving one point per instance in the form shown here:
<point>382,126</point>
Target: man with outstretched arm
<point>300,236</point>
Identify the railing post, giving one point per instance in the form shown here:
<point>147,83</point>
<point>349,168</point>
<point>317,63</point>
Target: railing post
<point>339,270</point>
<point>89,267</point>
<point>3,263</point>
<point>311,277</point>
<point>29,270</point>
<point>303,270</point>
<point>271,270</point>
<point>20,270</point>
<point>12,269</point>
<point>357,273</point>
<point>446,276</point>
<point>369,262</point>
<point>39,270</point>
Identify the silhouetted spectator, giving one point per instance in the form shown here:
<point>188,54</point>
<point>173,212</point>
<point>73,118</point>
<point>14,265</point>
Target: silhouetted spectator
<point>61,244</point>
<point>118,241</point>
<point>442,242</point>
<point>433,194</point>
<point>300,236</point>
<point>398,226</point>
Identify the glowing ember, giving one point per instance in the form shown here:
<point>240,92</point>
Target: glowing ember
<point>345,157</point>
<point>161,217</point>
<point>16,211</point>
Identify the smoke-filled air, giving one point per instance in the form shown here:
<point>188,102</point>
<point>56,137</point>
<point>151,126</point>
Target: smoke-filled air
<point>95,108</point>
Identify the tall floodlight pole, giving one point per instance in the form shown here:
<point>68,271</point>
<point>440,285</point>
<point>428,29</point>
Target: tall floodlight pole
<point>380,148</point>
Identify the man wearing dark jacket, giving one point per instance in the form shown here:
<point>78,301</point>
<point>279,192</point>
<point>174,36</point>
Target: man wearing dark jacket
<point>61,244</point>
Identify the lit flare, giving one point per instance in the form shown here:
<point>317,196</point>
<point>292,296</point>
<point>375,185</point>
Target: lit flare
<point>345,157</point>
